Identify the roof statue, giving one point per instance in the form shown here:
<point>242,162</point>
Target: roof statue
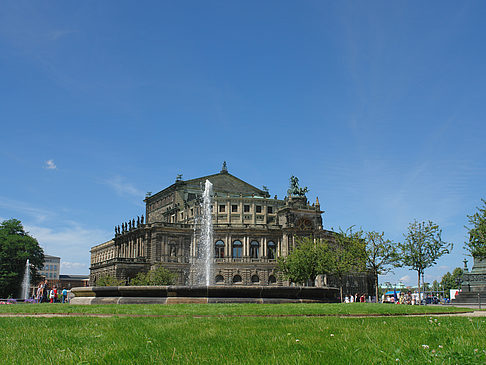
<point>224,168</point>
<point>294,189</point>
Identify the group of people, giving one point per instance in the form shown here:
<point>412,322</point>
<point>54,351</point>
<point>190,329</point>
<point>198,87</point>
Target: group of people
<point>401,298</point>
<point>45,293</point>
<point>355,298</point>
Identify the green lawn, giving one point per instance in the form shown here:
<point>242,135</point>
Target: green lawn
<point>243,340</point>
<point>229,309</point>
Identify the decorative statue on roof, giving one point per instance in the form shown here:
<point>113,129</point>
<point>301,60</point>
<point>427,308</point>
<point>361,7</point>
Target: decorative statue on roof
<point>294,189</point>
<point>224,168</point>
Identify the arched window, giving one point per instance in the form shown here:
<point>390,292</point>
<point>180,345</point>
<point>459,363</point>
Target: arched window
<point>237,249</point>
<point>255,279</point>
<point>271,250</point>
<point>254,247</point>
<point>272,279</point>
<point>237,279</point>
<point>219,279</point>
<point>219,249</point>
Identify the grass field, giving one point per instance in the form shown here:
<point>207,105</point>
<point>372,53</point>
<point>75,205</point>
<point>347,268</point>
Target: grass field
<point>240,340</point>
<point>229,309</point>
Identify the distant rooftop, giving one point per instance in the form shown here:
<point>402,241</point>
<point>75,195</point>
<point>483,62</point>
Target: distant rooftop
<point>77,277</point>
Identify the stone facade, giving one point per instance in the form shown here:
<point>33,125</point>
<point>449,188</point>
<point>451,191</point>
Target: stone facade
<point>251,230</point>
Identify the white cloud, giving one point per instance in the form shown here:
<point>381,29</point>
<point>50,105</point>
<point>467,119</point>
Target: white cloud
<point>407,280</point>
<point>39,215</point>
<point>71,243</point>
<point>73,265</point>
<point>50,165</point>
<point>122,187</point>
<point>54,35</point>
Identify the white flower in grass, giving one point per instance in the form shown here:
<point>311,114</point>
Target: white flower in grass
<point>475,350</point>
<point>425,346</point>
<point>297,340</point>
<point>440,346</point>
<point>332,334</point>
<point>397,360</point>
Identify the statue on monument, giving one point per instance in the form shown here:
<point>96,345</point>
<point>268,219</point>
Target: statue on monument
<point>294,189</point>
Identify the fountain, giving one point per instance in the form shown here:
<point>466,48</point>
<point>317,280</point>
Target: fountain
<point>204,249</point>
<point>26,282</point>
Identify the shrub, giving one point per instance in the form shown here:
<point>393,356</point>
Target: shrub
<point>157,276</point>
<point>107,280</point>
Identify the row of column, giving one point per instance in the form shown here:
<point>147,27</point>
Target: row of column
<point>246,241</point>
<point>131,249</point>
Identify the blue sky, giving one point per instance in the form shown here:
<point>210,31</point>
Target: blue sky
<point>377,107</point>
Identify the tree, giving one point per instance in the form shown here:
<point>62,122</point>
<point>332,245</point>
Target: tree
<point>435,286</point>
<point>422,247</point>
<point>307,260</point>
<point>380,255</point>
<point>477,233</point>
<point>348,255</point>
<point>108,280</point>
<point>447,283</point>
<point>157,276</point>
<point>451,281</point>
<point>16,246</point>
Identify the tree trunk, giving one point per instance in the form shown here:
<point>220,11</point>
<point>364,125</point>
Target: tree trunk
<point>376,288</point>
<point>341,293</point>
<point>419,298</point>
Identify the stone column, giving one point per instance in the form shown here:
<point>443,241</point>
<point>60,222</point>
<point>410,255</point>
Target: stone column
<point>253,210</point>
<point>227,246</point>
<point>245,247</point>
<point>228,209</point>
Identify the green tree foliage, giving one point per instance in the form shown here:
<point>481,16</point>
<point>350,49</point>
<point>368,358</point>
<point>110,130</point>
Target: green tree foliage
<point>348,255</point>
<point>340,256</point>
<point>451,281</point>
<point>435,285</point>
<point>16,246</point>
<point>422,247</point>
<point>307,260</point>
<point>380,255</point>
<point>108,280</point>
<point>157,276</point>
<point>477,233</point>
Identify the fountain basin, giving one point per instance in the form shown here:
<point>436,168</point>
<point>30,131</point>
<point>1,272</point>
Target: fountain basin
<point>174,294</point>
